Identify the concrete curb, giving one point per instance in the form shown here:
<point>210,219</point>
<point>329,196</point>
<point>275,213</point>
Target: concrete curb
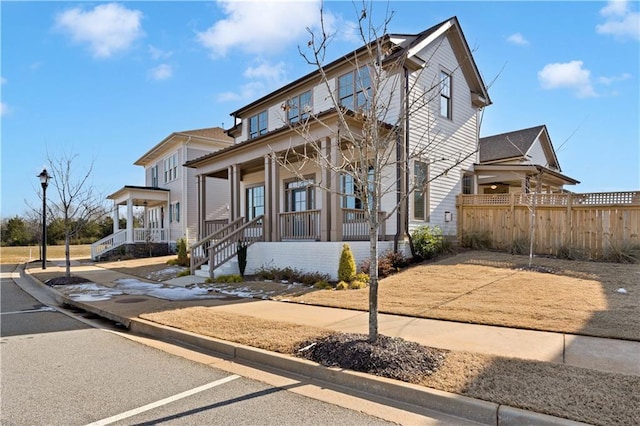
<point>467,408</point>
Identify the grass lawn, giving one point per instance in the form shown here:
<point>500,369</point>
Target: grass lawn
<point>23,254</point>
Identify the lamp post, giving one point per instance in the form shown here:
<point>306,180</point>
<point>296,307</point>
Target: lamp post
<point>44,181</point>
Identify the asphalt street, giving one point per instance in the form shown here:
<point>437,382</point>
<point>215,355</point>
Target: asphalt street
<point>57,370</point>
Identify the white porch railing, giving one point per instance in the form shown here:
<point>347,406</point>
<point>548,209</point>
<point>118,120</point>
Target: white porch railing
<point>107,243</point>
<point>150,235</point>
<point>117,239</point>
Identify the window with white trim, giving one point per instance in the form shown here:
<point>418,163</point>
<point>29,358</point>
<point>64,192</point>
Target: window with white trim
<point>171,168</point>
<point>445,95</point>
<point>258,124</point>
<point>352,192</point>
<point>299,195</point>
<point>421,191</point>
<point>467,183</point>
<point>255,202</point>
<point>354,89</point>
<point>154,176</point>
<point>298,107</point>
<point>174,213</point>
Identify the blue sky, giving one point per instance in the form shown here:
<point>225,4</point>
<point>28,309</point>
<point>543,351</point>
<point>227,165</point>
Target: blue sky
<point>108,81</point>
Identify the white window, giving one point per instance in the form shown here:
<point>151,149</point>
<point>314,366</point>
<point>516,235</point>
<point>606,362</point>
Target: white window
<point>445,95</point>
<point>174,213</point>
<point>354,89</point>
<point>154,176</point>
<point>421,191</point>
<point>171,168</point>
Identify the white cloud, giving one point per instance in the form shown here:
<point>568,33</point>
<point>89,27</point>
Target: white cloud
<point>107,28</point>
<point>264,78</point>
<point>4,109</point>
<point>518,39</point>
<point>259,27</point>
<point>607,81</point>
<point>620,21</point>
<point>568,75</point>
<point>161,72</point>
<point>159,53</point>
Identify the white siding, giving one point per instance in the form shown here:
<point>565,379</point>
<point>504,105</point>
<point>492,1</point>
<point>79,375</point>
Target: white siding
<point>452,139</point>
<point>535,154</point>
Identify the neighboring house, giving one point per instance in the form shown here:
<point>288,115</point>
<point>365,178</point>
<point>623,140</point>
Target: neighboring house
<point>519,161</point>
<point>290,221</point>
<point>168,202</point>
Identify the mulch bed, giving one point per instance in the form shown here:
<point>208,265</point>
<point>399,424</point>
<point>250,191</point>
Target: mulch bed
<point>66,281</point>
<point>390,357</point>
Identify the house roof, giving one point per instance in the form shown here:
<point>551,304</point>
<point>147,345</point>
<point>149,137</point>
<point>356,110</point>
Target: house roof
<point>212,135</point>
<point>509,145</point>
<point>450,24</point>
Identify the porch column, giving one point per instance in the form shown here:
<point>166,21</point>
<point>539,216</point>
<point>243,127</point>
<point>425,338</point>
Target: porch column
<point>116,217</point>
<point>130,220</point>
<point>268,202</point>
<point>275,201</point>
<point>325,212</point>
<point>335,211</point>
<point>202,205</point>
<point>234,196</point>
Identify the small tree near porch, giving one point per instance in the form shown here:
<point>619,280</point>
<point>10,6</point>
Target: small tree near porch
<point>370,129</point>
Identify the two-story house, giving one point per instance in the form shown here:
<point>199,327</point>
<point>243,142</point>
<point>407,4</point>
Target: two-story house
<point>167,204</point>
<point>434,93</point>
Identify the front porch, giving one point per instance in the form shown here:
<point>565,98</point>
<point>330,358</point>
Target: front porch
<point>150,239</point>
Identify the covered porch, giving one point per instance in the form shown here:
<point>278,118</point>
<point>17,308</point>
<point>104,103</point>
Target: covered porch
<point>520,178</point>
<point>149,234</point>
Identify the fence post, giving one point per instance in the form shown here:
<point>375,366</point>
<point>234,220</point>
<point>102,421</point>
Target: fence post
<point>568,240</point>
<point>512,219</point>
<point>459,211</point>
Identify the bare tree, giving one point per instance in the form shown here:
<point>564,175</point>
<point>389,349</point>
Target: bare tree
<point>78,202</point>
<point>369,128</point>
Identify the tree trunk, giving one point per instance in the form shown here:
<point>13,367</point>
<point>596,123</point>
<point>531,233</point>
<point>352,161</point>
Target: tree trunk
<point>67,255</point>
<point>373,280</point>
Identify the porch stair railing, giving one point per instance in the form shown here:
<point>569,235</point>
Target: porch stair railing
<point>110,242</point>
<point>222,245</point>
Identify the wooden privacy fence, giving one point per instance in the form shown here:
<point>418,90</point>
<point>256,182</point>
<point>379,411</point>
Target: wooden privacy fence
<point>587,223</point>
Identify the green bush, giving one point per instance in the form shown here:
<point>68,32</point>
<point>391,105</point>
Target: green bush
<point>356,285</point>
<point>427,241</point>
<point>184,273</point>
<point>234,278</point>
<point>347,266</point>
<point>322,285</point>
<point>362,277</point>
<point>183,259</point>
<point>290,275</point>
<point>342,285</point>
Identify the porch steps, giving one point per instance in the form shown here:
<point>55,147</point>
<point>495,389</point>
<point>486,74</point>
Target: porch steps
<point>230,267</point>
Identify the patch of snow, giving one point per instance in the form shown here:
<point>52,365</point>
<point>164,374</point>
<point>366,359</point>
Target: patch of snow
<point>174,270</point>
<point>622,290</point>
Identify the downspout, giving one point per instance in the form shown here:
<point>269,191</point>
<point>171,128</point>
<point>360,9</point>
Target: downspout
<point>399,173</point>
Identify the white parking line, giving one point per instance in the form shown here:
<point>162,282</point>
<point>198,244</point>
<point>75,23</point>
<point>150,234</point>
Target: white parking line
<point>162,402</point>
<point>30,311</point>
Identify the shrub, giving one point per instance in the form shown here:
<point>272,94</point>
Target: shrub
<point>291,275</point>
<point>362,277</point>
<point>347,266</point>
<point>622,253</point>
<point>234,278</point>
<point>183,259</point>
<point>184,273</point>
<point>570,253</point>
<point>427,241</point>
<point>389,263</point>
<point>242,256</point>
<point>342,285</point>
<point>519,246</point>
<point>477,240</point>
<point>356,285</point>
<point>322,285</point>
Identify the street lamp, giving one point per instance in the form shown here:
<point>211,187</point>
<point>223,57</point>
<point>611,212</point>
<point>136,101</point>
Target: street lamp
<point>44,181</point>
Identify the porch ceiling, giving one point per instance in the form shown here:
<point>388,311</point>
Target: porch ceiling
<point>513,174</point>
<point>140,195</point>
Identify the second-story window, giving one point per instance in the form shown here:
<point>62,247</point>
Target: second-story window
<point>299,107</point>
<point>421,191</point>
<point>354,89</point>
<point>171,168</point>
<point>154,176</point>
<point>445,95</point>
<point>258,125</point>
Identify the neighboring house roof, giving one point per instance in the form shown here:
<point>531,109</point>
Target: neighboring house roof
<point>515,145</point>
<point>215,136</point>
<point>420,40</point>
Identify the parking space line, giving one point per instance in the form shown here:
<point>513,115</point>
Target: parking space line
<point>162,402</point>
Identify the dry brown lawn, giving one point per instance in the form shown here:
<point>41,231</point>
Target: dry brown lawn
<point>557,389</point>
<point>23,254</point>
<point>491,288</point>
